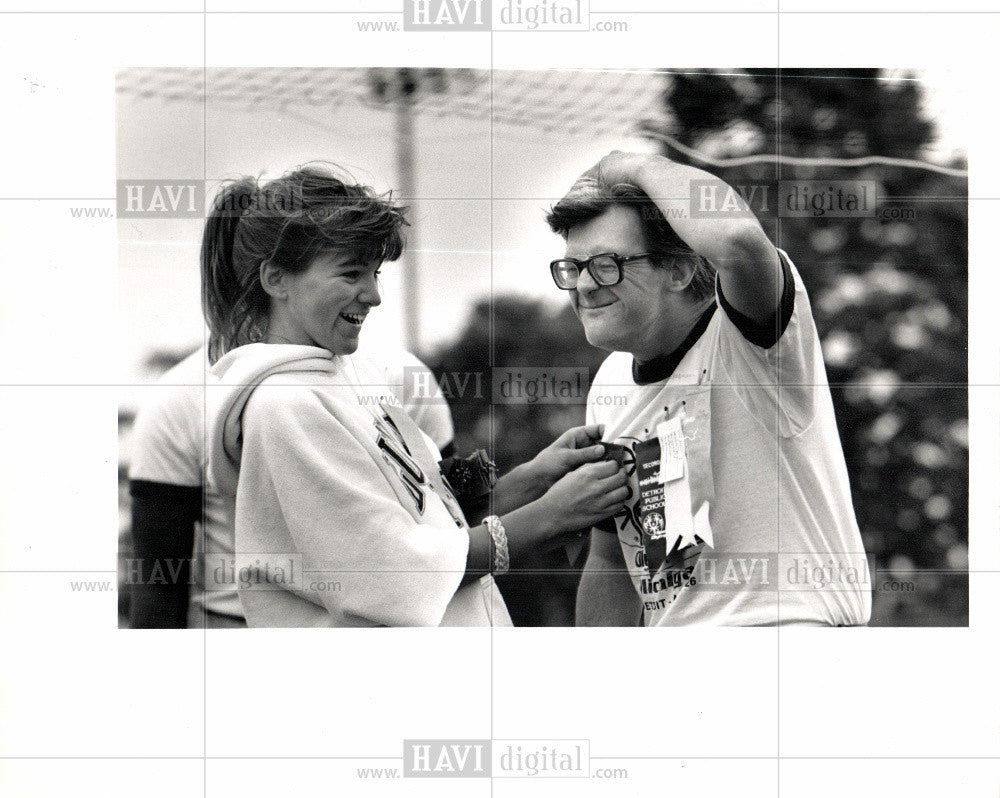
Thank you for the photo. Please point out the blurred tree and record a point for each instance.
(524, 333)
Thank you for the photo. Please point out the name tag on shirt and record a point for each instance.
(673, 457)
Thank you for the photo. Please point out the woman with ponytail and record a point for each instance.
(342, 515)
(182, 535)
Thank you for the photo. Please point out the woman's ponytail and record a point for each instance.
(223, 285)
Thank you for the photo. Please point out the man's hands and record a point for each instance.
(670, 186)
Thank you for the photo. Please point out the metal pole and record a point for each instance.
(405, 91)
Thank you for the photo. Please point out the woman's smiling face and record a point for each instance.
(327, 303)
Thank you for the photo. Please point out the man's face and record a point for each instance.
(630, 316)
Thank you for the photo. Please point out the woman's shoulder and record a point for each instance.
(275, 379)
(248, 368)
(310, 400)
(255, 362)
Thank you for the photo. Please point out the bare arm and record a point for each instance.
(606, 596)
(578, 500)
(530, 480)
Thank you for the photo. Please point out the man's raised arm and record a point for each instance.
(747, 262)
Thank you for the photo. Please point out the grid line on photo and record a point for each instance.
(777, 411)
(853, 383)
(943, 198)
(203, 527)
(532, 570)
(626, 12)
(492, 362)
(609, 757)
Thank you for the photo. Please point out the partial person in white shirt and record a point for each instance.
(182, 568)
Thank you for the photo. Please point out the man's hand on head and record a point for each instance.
(735, 243)
(621, 167)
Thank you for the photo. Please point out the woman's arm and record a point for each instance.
(312, 484)
(530, 481)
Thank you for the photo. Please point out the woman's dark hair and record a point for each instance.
(589, 198)
(287, 221)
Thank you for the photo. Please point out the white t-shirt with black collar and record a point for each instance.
(775, 540)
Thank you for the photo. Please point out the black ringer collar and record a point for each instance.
(660, 368)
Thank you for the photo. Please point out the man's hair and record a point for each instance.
(589, 198)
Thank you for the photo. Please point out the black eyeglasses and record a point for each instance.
(606, 269)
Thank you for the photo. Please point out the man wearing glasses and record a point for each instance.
(715, 393)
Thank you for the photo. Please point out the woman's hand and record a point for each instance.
(530, 480)
(579, 500)
(570, 450)
(586, 496)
